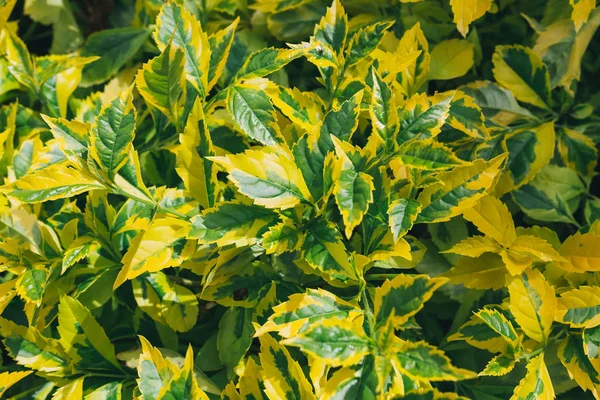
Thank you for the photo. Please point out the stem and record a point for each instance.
(151, 203)
(380, 277)
(368, 312)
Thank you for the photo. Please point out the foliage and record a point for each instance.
(288, 199)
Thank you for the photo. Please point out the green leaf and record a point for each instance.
(220, 44)
(304, 309)
(32, 284)
(365, 41)
(403, 297)
(461, 188)
(84, 339)
(112, 135)
(235, 335)
(115, 47)
(162, 84)
(422, 118)
(232, 223)
(572, 356)
(523, 72)
(176, 25)
(578, 152)
(55, 182)
(269, 177)
(422, 361)
(337, 341)
(383, 112)
(497, 103)
(427, 155)
(402, 215)
(282, 376)
(251, 108)
(167, 303)
(342, 121)
(265, 62)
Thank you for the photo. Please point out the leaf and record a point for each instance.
(55, 182)
(419, 360)
(352, 382)
(365, 41)
(533, 304)
(537, 383)
(353, 191)
(83, 338)
(461, 189)
(29, 348)
(220, 44)
(235, 335)
(281, 238)
(266, 61)
(480, 273)
(581, 252)
(478, 333)
(383, 113)
(342, 121)
(402, 215)
(112, 134)
(421, 117)
(114, 47)
(162, 84)
(199, 174)
(502, 326)
(543, 205)
(580, 308)
(10, 378)
(498, 104)
(522, 71)
(157, 247)
(20, 63)
(427, 155)
(337, 341)
(31, 285)
(571, 355)
(251, 108)
(303, 309)
(183, 384)
(5, 9)
(302, 108)
(467, 11)
(414, 76)
(475, 246)
(451, 59)
(72, 390)
(578, 152)
(493, 219)
(466, 116)
(529, 150)
(403, 297)
(581, 11)
(176, 25)
(269, 177)
(499, 366)
(324, 251)
(232, 223)
(282, 376)
(167, 303)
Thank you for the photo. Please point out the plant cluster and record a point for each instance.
(287, 199)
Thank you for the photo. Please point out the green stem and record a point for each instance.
(368, 312)
(380, 277)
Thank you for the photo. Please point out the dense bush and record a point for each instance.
(288, 199)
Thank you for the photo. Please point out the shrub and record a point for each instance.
(399, 203)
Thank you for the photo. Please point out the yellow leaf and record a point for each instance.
(198, 174)
(7, 379)
(581, 11)
(71, 391)
(467, 11)
(582, 252)
(269, 176)
(474, 246)
(55, 182)
(580, 308)
(536, 384)
(536, 247)
(533, 304)
(485, 272)
(282, 376)
(451, 59)
(492, 218)
(152, 249)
